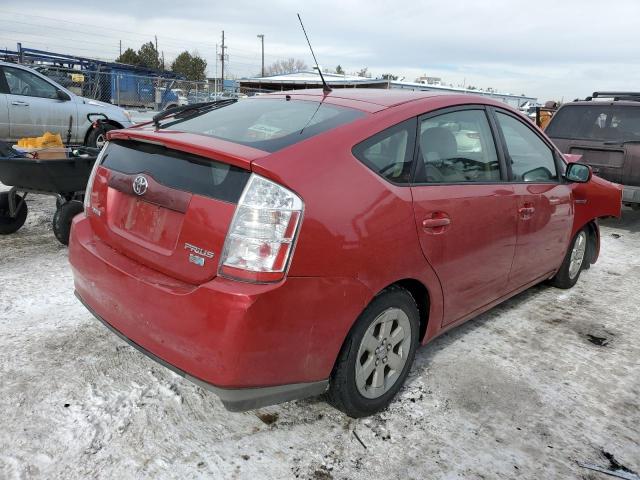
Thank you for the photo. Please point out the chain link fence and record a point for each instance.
(129, 90)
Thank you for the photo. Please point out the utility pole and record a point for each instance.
(222, 61)
(215, 79)
(157, 54)
(261, 37)
(120, 48)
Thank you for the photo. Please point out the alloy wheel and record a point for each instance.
(100, 140)
(383, 353)
(577, 254)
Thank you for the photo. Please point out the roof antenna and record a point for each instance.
(325, 87)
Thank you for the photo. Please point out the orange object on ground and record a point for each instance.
(45, 141)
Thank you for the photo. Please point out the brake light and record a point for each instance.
(89, 189)
(260, 241)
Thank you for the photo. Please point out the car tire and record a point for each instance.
(9, 224)
(98, 135)
(62, 220)
(574, 262)
(385, 335)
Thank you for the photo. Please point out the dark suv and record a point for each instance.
(605, 130)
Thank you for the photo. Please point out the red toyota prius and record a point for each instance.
(293, 244)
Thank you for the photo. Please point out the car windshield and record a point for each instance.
(267, 124)
(597, 122)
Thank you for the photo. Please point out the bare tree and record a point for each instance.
(285, 66)
(364, 73)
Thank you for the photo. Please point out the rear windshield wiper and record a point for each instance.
(193, 110)
(621, 142)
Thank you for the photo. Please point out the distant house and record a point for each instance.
(515, 101)
(311, 79)
(307, 79)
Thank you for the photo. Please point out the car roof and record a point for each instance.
(13, 64)
(628, 103)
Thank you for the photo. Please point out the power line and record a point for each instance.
(180, 42)
(49, 44)
(99, 27)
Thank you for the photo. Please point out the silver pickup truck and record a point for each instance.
(31, 104)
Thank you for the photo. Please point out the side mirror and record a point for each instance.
(578, 173)
(63, 96)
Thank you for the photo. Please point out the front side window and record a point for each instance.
(390, 152)
(530, 158)
(26, 83)
(457, 147)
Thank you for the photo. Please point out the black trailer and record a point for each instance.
(66, 179)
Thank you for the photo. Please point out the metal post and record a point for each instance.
(20, 53)
(261, 37)
(215, 78)
(222, 61)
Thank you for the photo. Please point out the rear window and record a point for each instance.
(177, 170)
(267, 124)
(597, 122)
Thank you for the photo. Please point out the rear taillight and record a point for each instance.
(89, 189)
(260, 241)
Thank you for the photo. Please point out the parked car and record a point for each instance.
(32, 104)
(291, 244)
(606, 134)
(179, 98)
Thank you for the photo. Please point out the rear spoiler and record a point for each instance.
(201, 145)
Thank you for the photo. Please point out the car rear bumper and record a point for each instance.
(238, 399)
(630, 194)
(251, 344)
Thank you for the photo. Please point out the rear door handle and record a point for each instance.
(19, 103)
(526, 211)
(436, 222)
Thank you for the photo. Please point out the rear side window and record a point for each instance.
(597, 122)
(530, 158)
(178, 170)
(268, 124)
(390, 152)
(457, 147)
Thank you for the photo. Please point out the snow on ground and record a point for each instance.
(522, 391)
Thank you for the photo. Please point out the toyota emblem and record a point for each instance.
(140, 185)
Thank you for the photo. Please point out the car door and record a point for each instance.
(34, 105)
(464, 209)
(4, 110)
(545, 209)
(4, 117)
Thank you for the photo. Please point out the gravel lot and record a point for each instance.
(544, 381)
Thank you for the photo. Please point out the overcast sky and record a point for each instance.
(544, 48)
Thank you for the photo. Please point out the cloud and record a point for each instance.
(546, 48)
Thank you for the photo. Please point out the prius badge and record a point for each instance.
(140, 185)
(198, 255)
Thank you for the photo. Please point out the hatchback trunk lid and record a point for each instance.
(165, 208)
(611, 162)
